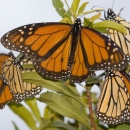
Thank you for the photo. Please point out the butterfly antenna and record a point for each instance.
(112, 4)
(120, 11)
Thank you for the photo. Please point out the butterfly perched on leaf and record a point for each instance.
(113, 106)
(122, 40)
(62, 50)
(12, 87)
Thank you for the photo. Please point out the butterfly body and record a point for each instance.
(62, 50)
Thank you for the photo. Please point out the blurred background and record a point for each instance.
(15, 13)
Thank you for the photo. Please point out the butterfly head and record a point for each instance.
(110, 14)
(78, 21)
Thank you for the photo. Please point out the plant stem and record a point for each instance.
(90, 108)
(66, 4)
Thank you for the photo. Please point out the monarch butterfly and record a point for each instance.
(113, 106)
(123, 40)
(5, 94)
(62, 50)
(12, 88)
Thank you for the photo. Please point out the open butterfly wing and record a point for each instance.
(37, 40)
(54, 63)
(50, 46)
(114, 101)
(100, 52)
(5, 93)
(122, 40)
(3, 58)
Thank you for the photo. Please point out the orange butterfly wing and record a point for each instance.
(101, 52)
(53, 48)
(5, 94)
(79, 72)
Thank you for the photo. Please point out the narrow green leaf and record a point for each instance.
(59, 8)
(91, 11)
(81, 8)
(24, 114)
(45, 122)
(51, 129)
(93, 80)
(66, 20)
(52, 115)
(96, 17)
(46, 112)
(74, 103)
(87, 22)
(33, 77)
(15, 126)
(74, 6)
(111, 25)
(61, 125)
(100, 127)
(102, 30)
(28, 66)
(73, 89)
(123, 127)
(31, 102)
(64, 107)
(82, 127)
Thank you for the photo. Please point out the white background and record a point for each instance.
(14, 13)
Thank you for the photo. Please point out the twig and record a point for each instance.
(90, 108)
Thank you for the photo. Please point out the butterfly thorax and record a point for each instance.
(76, 27)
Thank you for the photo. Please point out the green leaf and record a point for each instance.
(102, 30)
(123, 127)
(52, 115)
(15, 126)
(33, 77)
(111, 25)
(24, 114)
(96, 17)
(81, 8)
(59, 8)
(64, 107)
(61, 125)
(82, 127)
(91, 11)
(28, 66)
(93, 80)
(87, 22)
(66, 20)
(45, 123)
(100, 127)
(31, 102)
(74, 6)
(51, 129)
